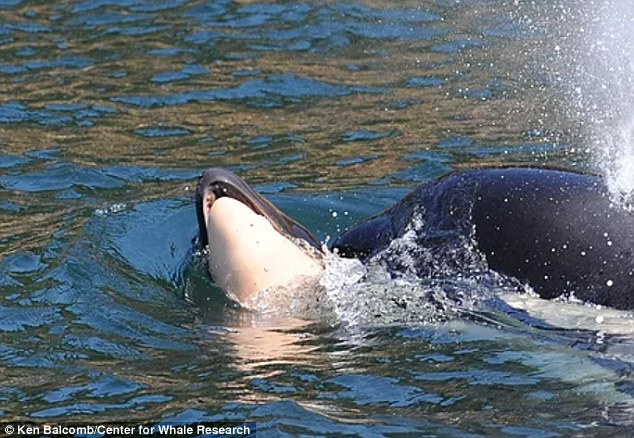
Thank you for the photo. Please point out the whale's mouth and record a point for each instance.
(217, 183)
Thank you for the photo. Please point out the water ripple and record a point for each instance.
(364, 389)
(54, 115)
(162, 132)
(184, 73)
(14, 319)
(272, 91)
(7, 161)
(111, 108)
(105, 387)
(59, 176)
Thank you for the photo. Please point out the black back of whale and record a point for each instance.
(555, 230)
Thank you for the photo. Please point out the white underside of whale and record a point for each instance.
(572, 315)
(247, 255)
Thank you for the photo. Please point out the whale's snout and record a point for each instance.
(216, 183)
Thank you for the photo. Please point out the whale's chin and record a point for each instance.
(248, 255)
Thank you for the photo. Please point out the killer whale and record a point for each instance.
(557, 231)
(554, 230)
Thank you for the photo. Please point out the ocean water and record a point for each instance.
(109, 111)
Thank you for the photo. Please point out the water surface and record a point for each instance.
(110, 109)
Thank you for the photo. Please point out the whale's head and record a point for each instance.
(252, 244)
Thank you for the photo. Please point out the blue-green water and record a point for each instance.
(109, 109)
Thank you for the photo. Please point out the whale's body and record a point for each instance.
(557, 231)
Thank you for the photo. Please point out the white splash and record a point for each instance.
(598, 73)
(114, 208)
